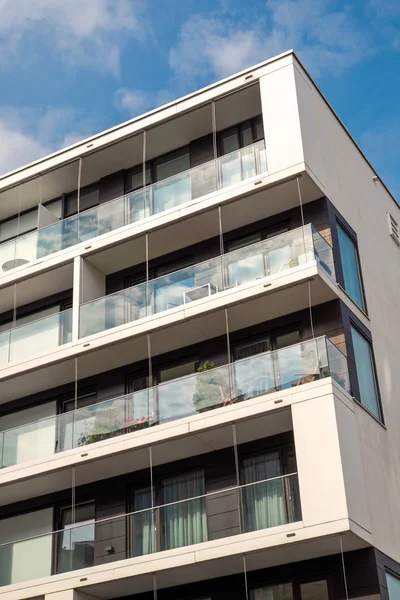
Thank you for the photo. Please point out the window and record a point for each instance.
(393, 584)
(351, 267)
(314, 590)
(366, 375)
(241, 136)
(75, 547)
(273, 501)
(178, 523)
(283, 591)
(19, 225)
(88, 198)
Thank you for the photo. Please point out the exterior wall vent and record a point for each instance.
(394, 231)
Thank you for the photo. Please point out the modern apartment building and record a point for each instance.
(198, 357)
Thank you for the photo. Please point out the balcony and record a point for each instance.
(35, 338)
(165, 195)
(261, 504)
(268, 258)
(204, 391)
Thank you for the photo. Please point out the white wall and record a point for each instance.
(347, 180)
(89, 284)
(281, 118)
(331, 480)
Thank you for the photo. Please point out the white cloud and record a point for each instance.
(87, 32)
(27, 134)
(134, 101)
(325, 38)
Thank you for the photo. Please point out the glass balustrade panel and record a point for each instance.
(193, 394)
(32, 441)
(40, 336)
(253, 377)
(75, 547)
(323, 253)
(58, 236)
(337, 365)
(298, 364)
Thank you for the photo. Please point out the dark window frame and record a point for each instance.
(296, 583)
(368, 338)
(57, 526)
(27, 211)
(238, 128)
(339, 221)
(151, 166)
(67, 197)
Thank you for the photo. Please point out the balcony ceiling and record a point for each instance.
(194, 226)
(174, 443)
(173, 329)
(160, 139)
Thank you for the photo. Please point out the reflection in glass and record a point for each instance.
(76, 540)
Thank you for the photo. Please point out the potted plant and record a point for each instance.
(105, 430)
(213, 388)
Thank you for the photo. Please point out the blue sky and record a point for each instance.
(71, 68)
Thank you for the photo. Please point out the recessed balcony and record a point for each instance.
(261, 261)
(169, 194)
(209, 389)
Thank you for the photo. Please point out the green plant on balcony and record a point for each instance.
(104, 429)
(213, 388)
(339, 379)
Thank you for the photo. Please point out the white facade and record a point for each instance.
(348, 462)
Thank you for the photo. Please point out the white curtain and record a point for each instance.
(264, 503)
(183, 523)
(143, 523)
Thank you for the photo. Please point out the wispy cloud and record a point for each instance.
(134, 102)
(89, 33)
(29, 134)
(327, 39)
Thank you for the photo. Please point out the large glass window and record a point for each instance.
(366, 375)
(75, 548)
(283, 591)
(314, 590)
(88, 198)
(393, 584)
(351, 267)
(180, 522)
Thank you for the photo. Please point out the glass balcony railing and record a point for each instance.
(167, 194)
(220, 386)
(269, 257)
(35, 338)
(258, 505)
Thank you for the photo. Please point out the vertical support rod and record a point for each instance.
(221, 247)
(153, 526)
(215, 148)
(230, 366)
(239, 491)
(154, 586)
(78, 195)
(305, 254)
(73, 512)
(344, 569)
(246, 587)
